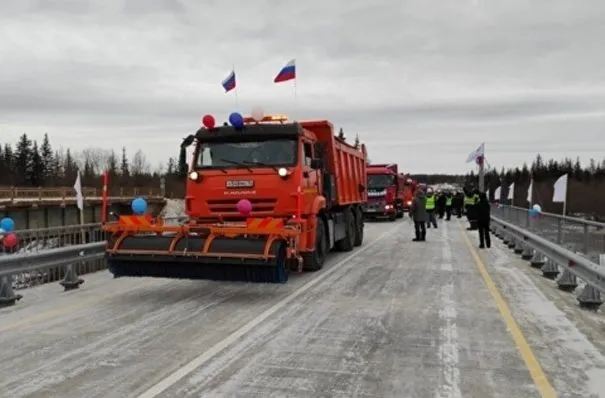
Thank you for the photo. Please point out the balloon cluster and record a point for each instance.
(535, 211)
(139, 206)
(7, 236)
(235, 119)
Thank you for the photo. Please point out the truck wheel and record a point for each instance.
(392, 217)
(314, 261)
(400, 214)
(359, 230)
(348, 242)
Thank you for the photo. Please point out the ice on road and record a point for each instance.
(394, 318)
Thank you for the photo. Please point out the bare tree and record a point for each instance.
(140, 165)
(98, 158)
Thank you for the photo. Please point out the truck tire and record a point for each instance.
(393, 217)
(359, 221)
(348, 242)
(314, 261)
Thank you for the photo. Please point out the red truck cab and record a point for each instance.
(408, 188)
(382, 192)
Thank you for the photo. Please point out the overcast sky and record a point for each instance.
(422, 82)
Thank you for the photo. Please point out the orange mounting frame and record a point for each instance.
(273, 228)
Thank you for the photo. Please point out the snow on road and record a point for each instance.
(395, 318)
(564, 335)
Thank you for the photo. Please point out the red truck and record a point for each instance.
(383, 188)
(407, 190)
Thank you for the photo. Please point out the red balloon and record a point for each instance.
(10, 241)
(208, 121)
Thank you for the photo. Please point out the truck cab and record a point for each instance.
(382, 192)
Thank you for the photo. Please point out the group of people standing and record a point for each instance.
(426, 206)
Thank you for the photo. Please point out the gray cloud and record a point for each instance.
(422, 84)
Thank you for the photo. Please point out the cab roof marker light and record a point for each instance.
(268, 118)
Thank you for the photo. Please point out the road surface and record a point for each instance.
(394, 318)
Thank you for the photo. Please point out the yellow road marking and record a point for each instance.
(532, 364)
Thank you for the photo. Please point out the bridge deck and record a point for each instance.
(393, 319)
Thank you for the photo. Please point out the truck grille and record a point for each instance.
(227, 207)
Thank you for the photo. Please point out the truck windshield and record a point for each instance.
(248, 154)
(380, 181)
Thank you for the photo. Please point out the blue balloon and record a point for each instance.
(533, 212)
(139, 206)
(7, 224)
(236, 120)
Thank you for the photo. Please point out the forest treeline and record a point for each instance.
(29, 163)
(586, 184)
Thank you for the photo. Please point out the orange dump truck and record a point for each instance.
(262, 199)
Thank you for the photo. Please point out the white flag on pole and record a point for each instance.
(560, 191)
(476, 153)
(530, 191)
(78, 188)
(511, 191)
(497, 193)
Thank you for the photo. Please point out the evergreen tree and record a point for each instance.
(124, 167)
(36, 176)
(112, 165)
(69, 169)
(23, 161)
(46, 154)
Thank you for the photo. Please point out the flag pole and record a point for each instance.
(566, 189)
(80, 204)
(235, 91)
(482, 171)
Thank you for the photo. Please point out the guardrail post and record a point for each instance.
(568, 281)
(511, 243)
(505, 237)
(7, 294)
(590, 298)
(550, 269)
(71, 280)
(527, 253)
(538, 260)
(518, 249)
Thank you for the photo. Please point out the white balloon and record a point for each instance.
(537, 208)
(257, 114)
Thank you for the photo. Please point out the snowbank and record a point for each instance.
(174, 208)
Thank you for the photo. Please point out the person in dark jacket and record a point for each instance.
(420, 215)
(483, 210)
(457, 203)
(441, 204)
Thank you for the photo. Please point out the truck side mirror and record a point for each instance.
(316, 164)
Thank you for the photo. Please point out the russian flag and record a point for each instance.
(229, 82)
(288, 72)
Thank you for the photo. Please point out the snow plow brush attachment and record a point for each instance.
(247, 251)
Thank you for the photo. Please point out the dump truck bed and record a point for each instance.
(344, 161)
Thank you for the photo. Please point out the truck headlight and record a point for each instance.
(282, 172)
(194, 175)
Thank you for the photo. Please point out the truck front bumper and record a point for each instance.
(378, 210)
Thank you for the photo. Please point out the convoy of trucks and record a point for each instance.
(264, 198)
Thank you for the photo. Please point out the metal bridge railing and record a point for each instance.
(54, 254)
(563, 248)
